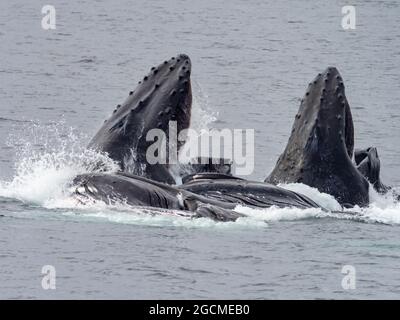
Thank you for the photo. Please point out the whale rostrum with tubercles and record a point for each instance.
(320, 148)
(162, 96)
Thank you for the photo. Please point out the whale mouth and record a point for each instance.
(323, 125)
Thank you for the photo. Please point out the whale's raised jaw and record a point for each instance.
(369, 165)
(320, 148)
(162, 96)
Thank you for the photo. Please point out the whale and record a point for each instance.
(162, 96)
(319, 153)
(368, 163)
(206, 195)
(320, 148)
(138, 191)
(238, 191)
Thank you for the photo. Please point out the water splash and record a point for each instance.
(203, 115)
(47, 158)
(201, 121)
(323, 199)
(382, 208)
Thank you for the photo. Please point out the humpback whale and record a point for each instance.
(162, 96)
(208, 195)
(369, 165)
(320, 149)
(139, 191)
(253, 194)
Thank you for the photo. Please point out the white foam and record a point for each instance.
(47, 159)
(323, 199)
(274, 214)
(124, 214)
(382, 208)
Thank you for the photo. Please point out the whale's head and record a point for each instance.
(163, 95)
(331, 121)
(321, 146)
(323, 125)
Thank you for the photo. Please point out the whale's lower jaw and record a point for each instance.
(138, 191)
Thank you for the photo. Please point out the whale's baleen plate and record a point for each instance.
(320, 148)
(164, 95)
(237, 191)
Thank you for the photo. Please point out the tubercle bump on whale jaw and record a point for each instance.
(322, 143)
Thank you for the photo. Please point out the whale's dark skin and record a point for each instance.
(369, 165)
(320, 149)
(163, 95)
(139, 191)
(253, 194)
(211, 195)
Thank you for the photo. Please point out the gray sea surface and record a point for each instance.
(252, 61)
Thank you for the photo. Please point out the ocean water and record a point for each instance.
(252, 61)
